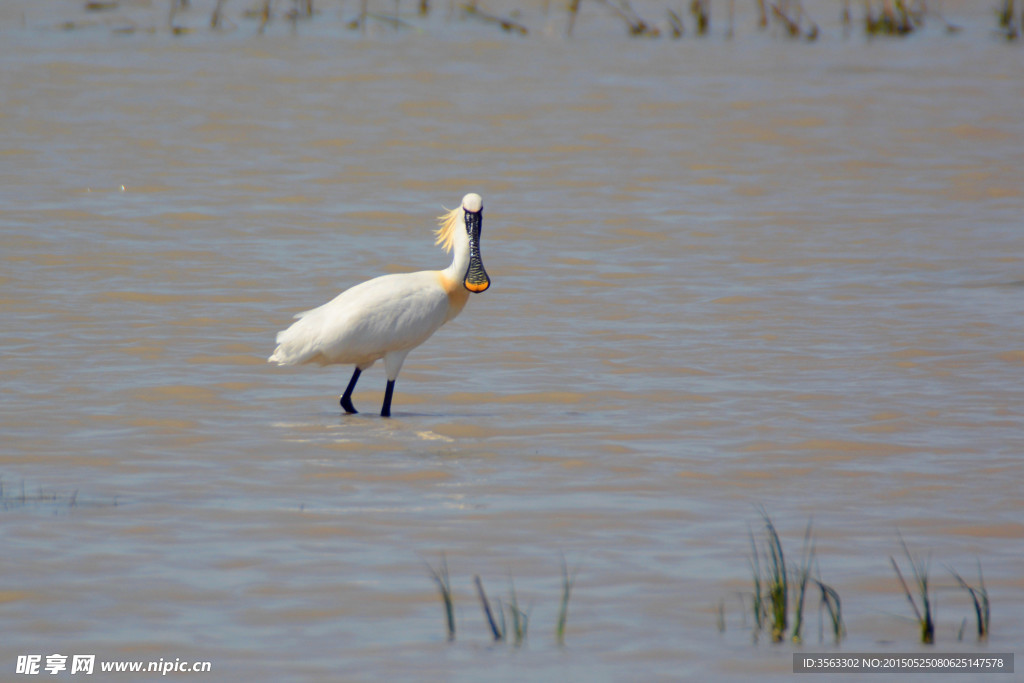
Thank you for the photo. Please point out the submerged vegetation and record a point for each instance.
(506, 620)
(979, 596)
(673, 18)
(780, 592)
(520, 619)
(563, 610)
(1006, 18)
(19, 497)
(774, 586)
(444, 586)
(923, 613)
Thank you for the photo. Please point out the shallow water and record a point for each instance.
(725, 275)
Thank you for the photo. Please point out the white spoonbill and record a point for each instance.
(389, 316)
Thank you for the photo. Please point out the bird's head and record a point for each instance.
(476, 279)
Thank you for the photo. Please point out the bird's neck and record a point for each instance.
(453, 276)
(460, 259)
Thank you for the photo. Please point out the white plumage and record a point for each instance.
(388, 316)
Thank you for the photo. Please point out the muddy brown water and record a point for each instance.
(725, 275)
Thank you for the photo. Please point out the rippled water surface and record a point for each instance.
(725, 275)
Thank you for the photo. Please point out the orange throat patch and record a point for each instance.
(457, 294)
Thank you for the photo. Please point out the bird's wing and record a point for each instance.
(362, 324)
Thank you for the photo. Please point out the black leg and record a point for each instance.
(385, 410)
(346, 398)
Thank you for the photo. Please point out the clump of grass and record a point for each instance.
(217, 17)
(264, 15)
(774, 587)
(520, 618)
(499, 627)
(762, 14)
(758, 598)
(830, 602)
(471, 9)
(793, 16)
(12, 498)
(1005, 14)
(1008, 21)
(636, 26)
(445, 587)
(701, 12)
(776, 582)
(771, 588)
(894, 18)
(979, 596)
(563, 610)
(574, 9)
(498, 633)
(101, 5)
(675, 24)
(803, 574)
(920, 573)
(515, 627)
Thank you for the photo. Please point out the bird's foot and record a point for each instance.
(346, 404)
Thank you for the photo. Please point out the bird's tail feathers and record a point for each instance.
(295, 345)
